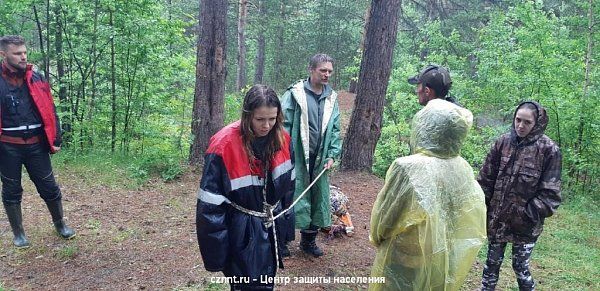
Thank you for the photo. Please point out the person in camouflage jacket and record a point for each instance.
(521, 181)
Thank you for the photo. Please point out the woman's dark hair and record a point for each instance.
(259, 96)
(529, 106)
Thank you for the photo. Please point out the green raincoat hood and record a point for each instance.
(439, 129)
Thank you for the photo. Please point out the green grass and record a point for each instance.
(175, 203)
(94, 225)
(118, 171)
(125, 234)
(98, 168)
(570, 248)
(67, 252)
(567, 255)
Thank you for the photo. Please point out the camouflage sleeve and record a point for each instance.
(489, 171)
(548, 196)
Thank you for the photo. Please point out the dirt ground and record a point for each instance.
(145, 239)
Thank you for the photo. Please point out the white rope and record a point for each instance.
(267, 215)
(301, 195)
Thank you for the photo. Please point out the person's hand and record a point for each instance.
(55, 149)
(329, 164)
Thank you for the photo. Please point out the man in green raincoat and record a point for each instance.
(312, 118)
(428, 221)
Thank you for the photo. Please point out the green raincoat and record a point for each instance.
(428, 222)
(314, 207)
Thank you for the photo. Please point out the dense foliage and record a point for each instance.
(123, 71)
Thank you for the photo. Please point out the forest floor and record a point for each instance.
(144, 238)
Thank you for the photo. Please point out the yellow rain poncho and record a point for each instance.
(428, 222)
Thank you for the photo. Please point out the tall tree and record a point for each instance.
(278, 72)
(241, 64)
(45, 62)
(113, 88)
(259, 69)
(92, 101)
(207, 115)
(586, 85)
(366, 121)
(60, 74)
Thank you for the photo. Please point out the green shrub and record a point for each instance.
(233, 106)
(159, 163)
(478, 144)
(392, 144)
(119, 170)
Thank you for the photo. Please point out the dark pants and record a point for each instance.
(36, 159)
(521, 253)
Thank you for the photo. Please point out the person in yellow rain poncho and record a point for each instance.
(428, 221)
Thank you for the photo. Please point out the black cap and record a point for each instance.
(435, 77)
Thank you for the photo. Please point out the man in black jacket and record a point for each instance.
(29, 131)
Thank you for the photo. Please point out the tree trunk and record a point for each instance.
(131, 72)
(207, 114)
(92, 101)
(586, 85)
(352, 86)
(278, 72)
(60, 76)
(113, 90)
(241, 69)
(366, 121)
(259, 71)
(45, 63)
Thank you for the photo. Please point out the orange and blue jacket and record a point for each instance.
(231, 241)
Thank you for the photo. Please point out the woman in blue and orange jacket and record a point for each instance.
(248, 172)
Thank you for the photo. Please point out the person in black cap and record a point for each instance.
(433, 82)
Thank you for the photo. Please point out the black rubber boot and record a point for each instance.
(284, 251)
(15, 218)
(56, 211)
(308, 243)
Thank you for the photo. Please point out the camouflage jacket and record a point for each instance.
(521, 182)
